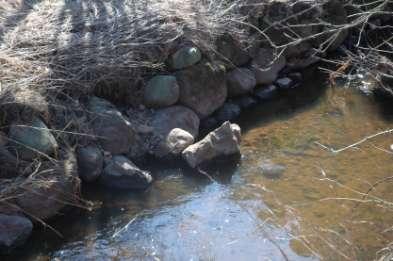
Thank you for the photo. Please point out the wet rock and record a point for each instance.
(203, 87)
(32, 139)
(240, 81)
(121, 173)
(245, 102)
(271, 170)
(176, 141)
(161, 91)
(185, 57)
(297, 77)
(285, 83)
(167, 119)
(231, 51)
(227, 112)
(266, 66)
(266, 92)
(14, 231)
(223, 141)
(90, 163)
(113, 130)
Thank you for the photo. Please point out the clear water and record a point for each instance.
(313, 212)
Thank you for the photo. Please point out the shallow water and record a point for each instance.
(312, 212)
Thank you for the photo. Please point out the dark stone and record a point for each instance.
(121, 173)
(203, 87)
(245, 102)
(266, 93)
(113, 130)
(228, 112)
(209, 123)
(14, 230)
(90, 163)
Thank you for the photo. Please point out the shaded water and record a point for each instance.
(310, 213)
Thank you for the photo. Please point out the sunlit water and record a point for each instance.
(314, 211)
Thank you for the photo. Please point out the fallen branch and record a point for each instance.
(356, 143)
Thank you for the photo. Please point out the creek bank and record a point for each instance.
(194, 92)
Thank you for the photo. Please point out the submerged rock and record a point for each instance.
(176, 141)
(271, 170)
(285, 83)
(185, 57)
(228, 112)
(245, 102)
(161, 91)
(266, 66)
(90, 163)
(33, 139)
(203, 88)
(266, 93)
(223, 141)
(113, 130)
(240, 81)
(121, 173)
(14, 230)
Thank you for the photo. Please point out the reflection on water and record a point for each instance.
(312, 212)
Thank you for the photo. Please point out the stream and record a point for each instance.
(315, 210)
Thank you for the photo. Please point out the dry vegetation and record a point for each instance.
(52, 53)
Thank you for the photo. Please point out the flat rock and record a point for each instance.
(223, 141)
(121, 173)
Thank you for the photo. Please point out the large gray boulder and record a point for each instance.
(231, 51)
(203, 87)
(223, 141)
(167, 119)
(240, 81)
(31, 140)
(161, 91)
(113, 130)
(14, 230)
(266, 65)
(176, 141)
(121, 173)
(185, 57)
(90, 163)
